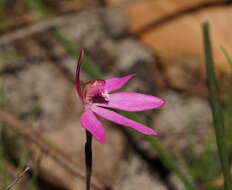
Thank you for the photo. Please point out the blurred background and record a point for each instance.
(41, 140)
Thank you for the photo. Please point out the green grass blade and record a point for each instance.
(169, 162)
(228, 103)
(228, 57)
(163, 154)
(91, 70)
(216, 109)
(39, 8)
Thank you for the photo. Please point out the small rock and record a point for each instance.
(136, 177)
(184, 121)
(115, 22)
(129, 53)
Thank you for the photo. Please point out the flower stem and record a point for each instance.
(216, 109)
(88, 159)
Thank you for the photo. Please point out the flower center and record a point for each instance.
(93, 92)
(99, 99)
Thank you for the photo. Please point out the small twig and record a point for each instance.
(88, 159)
(36, 28)
(58, 156)
(18, 178)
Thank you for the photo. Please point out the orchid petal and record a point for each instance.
(119, 119)
(93, 125)
(131, 101)
(78, 84)
(117, 82)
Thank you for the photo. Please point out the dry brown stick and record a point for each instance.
(18, 178)
(12, 171)
(36, 28)
(58, 156)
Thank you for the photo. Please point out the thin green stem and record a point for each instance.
(88, 159)
(216, 109)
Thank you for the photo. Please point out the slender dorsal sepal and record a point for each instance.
(78, 68)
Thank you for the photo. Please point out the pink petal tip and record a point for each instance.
(93, 125)
(117, 82)
(121, 120)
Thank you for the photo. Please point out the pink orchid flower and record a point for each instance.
(96, 97)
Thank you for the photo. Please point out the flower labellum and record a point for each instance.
(97, 97)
